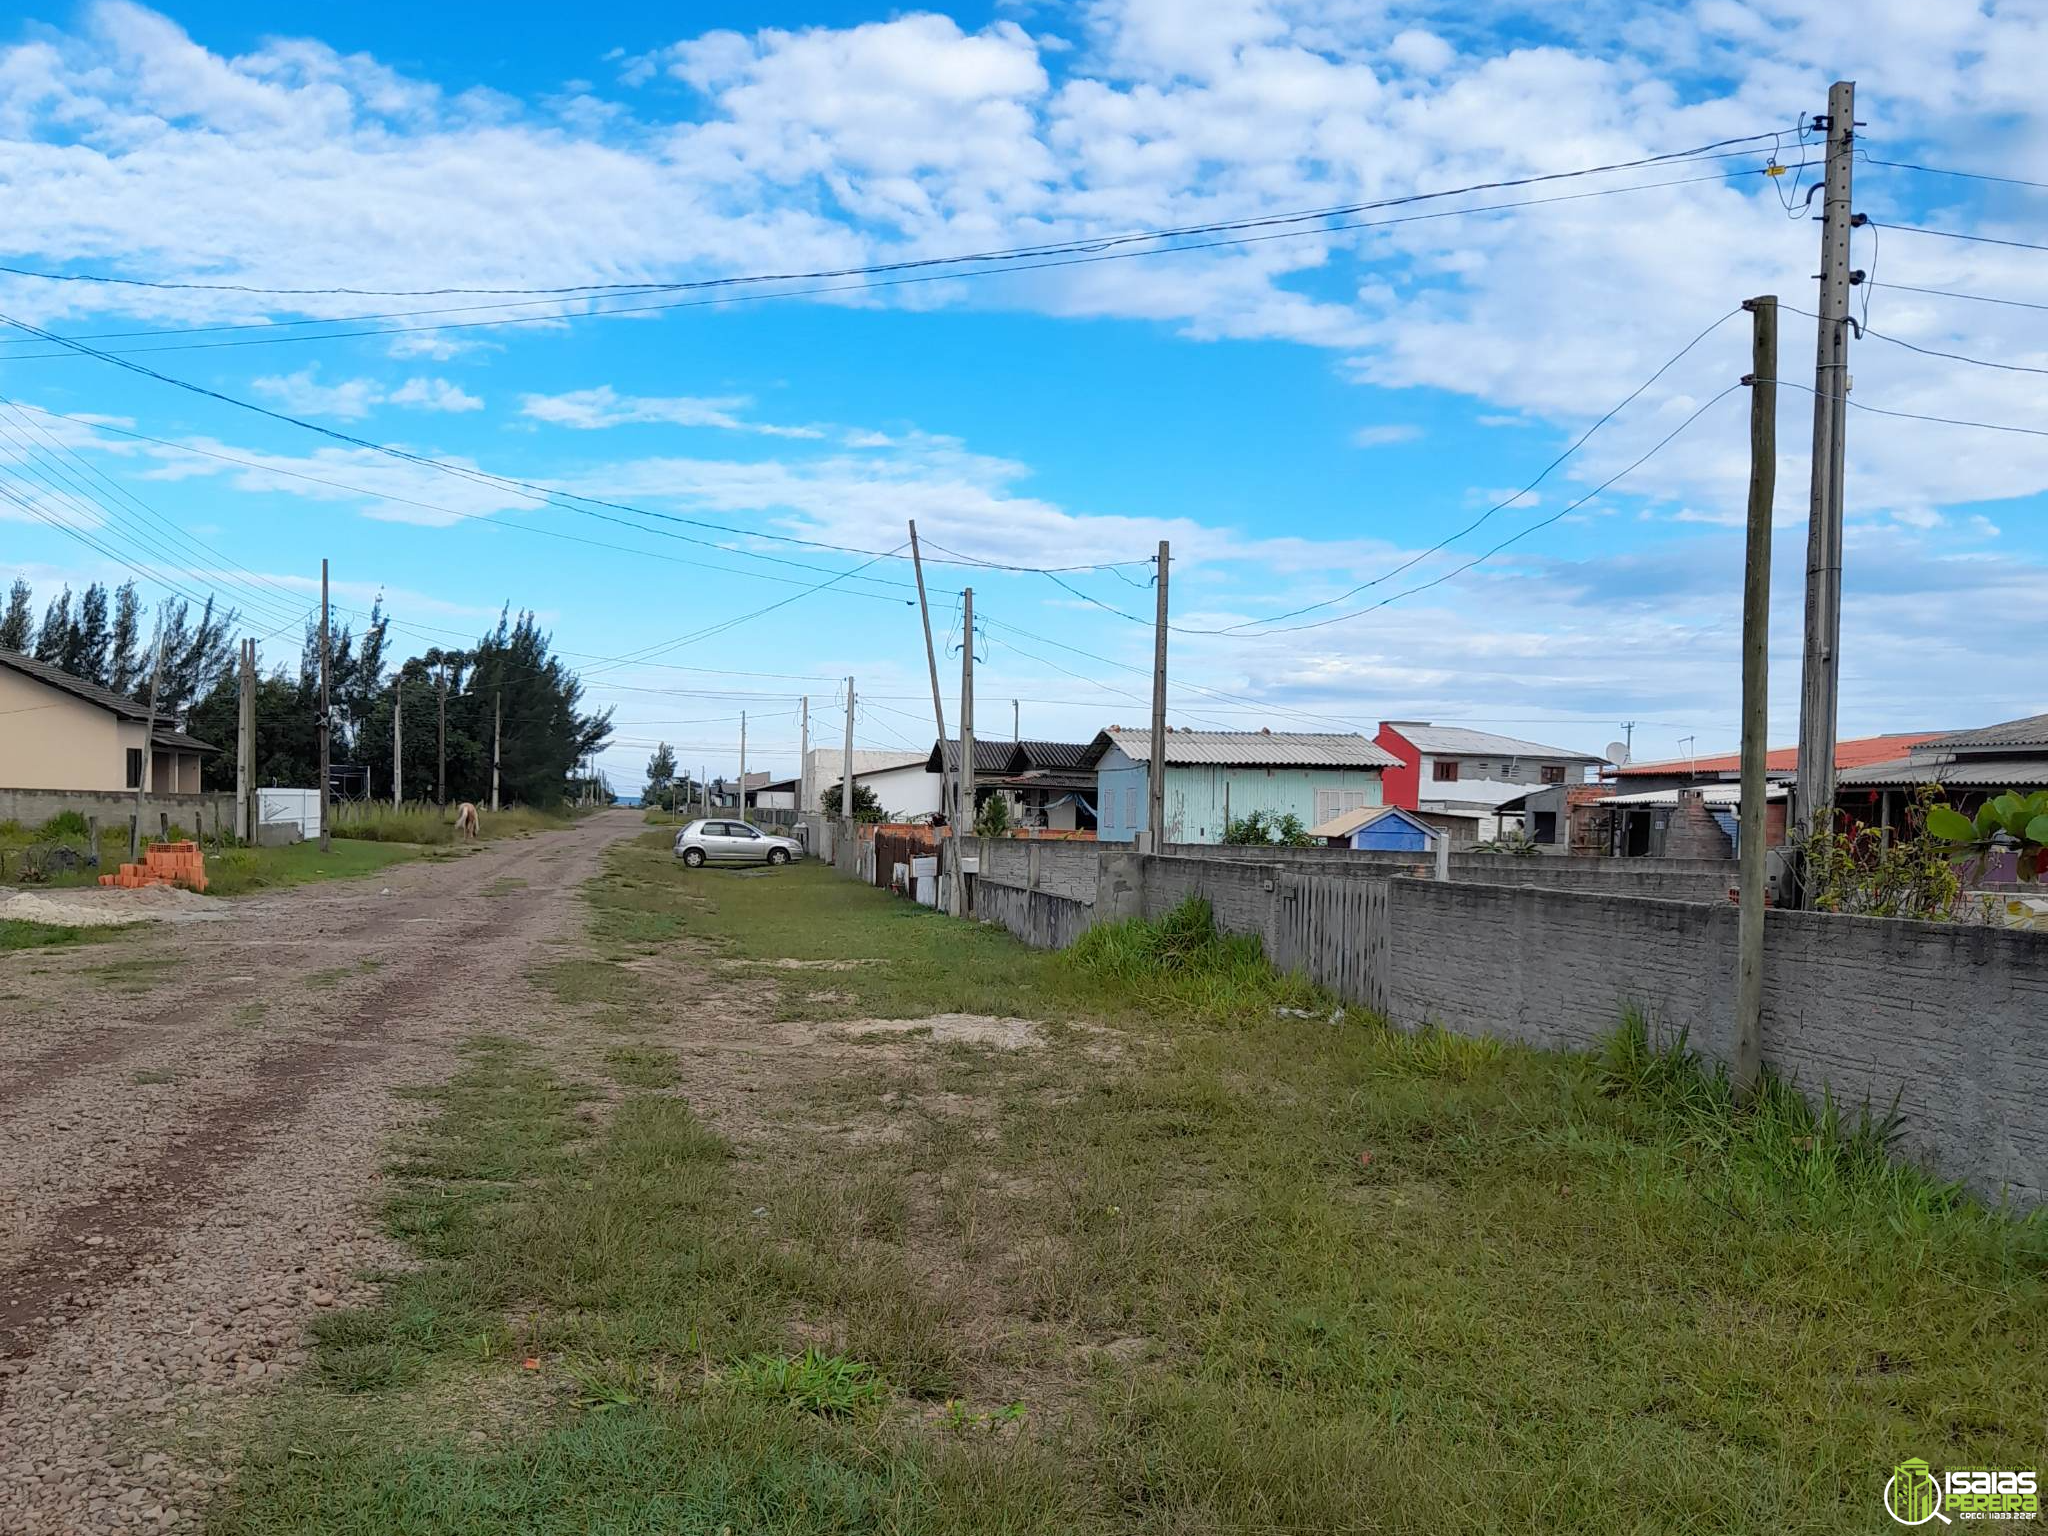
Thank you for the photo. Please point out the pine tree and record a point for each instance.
(18, 627)
(661, 776)
(124, 657)
(55, 633)
(85, 653)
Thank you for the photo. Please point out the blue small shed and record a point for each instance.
(1383, 827)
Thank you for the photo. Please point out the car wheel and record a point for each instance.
(778, 855)
(694, 857)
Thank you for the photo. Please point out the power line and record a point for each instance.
(1498, 506)
(1943, 421)
(927, 277)
(1950, 293)
(1516, 538)
(1087, 244)
(1954, 357)
(1956, 234)
(1938, 170)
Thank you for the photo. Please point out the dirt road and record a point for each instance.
(191, 1123)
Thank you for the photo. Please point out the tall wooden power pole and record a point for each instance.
(1821, 669)
(931, 661)
(397, 742)
(142, 781)
(1756, 664)
(326, 835)
(967, 730)
(1155, 789)
(497, 739)
(846, 768)
(441, 752)
(245, 746)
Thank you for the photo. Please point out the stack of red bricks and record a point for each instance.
(163, 864)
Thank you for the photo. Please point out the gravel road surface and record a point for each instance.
(192, 1120)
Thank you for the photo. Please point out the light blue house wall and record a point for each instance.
(1201, 797)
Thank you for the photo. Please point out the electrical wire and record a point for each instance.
(1516, 538)
(919, 278)
(1941, 421)
(1954, 357)
(1937, 170)
(1957, 234)
(1090, 244)
(1950, 293)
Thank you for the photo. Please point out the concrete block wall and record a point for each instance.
(1675, 879)
(33, 807)
(1952, 1017)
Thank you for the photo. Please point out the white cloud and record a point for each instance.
(435, 395)
(1385, 435)
(303, 394)
(589, 409)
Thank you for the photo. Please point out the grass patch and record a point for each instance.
(1252, 1272)
(242, 871)
(150, 1077)
(635, 1067)
(378, 821)
(18, 934)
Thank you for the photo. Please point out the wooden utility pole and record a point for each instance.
(846, 766)
(326, 835)
(1155, 808)
(142, 780)
(497, 739)
(397, 742)
(931, 659)
(245, 745)
(743, 765)
(1756, 635)
(441, 783)
(1820, 671)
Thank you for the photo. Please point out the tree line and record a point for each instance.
(107, 638)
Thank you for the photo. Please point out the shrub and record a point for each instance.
(1181, 965)
(65, 824)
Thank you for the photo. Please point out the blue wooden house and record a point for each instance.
(1215, 777)
(1385, 827)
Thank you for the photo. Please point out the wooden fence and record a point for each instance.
(1333, 929)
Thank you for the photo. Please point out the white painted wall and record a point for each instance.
(905, 791)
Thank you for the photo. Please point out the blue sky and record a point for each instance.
(1299, 416)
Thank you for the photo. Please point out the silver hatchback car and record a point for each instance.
(733, 842)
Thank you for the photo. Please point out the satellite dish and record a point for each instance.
(1617, 754)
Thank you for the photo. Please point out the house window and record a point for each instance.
(1131, 807)
(1332, 803)
(1444, 772)
(1553, 773)
(135, 767)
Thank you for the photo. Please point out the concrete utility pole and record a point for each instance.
(803, 762)
(1756, 635)
(743, 765)
(397, 742)
(967, 710)
(1820, 672)
(846, 765)
(497, 739)
(326, 834)
(245, 746)
(1155, 808)
(441, 784)
(1016, 721)
(931, 659)
(142, 780)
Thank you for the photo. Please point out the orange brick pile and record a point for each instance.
(163, 864)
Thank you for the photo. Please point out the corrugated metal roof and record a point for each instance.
(1855, 752)
(1053, 754)
(1455, 740)
(166, 737)
(1973, 772)
(2030, 731)
(990, 757)
(1250, 749)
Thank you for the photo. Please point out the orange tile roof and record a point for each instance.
(1855, 752)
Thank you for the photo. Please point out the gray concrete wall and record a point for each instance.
(1675, 879)
(33, 807)
(1952, 1017)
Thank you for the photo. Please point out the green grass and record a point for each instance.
(1231, 1271)
(243, 871)
(18, 934)
(378, 821)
